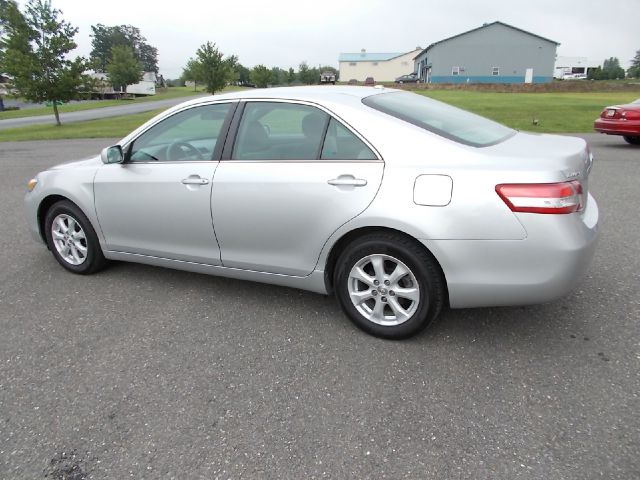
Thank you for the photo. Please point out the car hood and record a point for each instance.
(94, 161)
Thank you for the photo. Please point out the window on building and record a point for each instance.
(495, 71)
(352, 64)
(455, 71)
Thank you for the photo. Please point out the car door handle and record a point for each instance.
(347, 180)
(195, 180)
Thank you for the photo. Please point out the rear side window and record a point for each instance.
(447, 121)
(280, 131)
(341, 144)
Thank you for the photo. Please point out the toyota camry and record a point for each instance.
(396, 203)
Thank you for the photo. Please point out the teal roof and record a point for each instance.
(368, 57)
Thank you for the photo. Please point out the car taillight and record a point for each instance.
(630, 115)
(550, 198)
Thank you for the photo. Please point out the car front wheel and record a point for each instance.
(389, 286)
(72, 239)
(632, 140)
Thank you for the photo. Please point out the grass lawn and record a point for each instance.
(163, 94)
(116, 127)
(555, 112)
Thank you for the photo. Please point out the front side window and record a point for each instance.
(445, 120)
(190, 135)
(280, 131)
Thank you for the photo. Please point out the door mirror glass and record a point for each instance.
(112, 155)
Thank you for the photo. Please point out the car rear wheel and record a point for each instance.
(389, 286)
(632, 140)
(72, 239)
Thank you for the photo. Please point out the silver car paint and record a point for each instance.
(489, 255)
(144, 208)
(271, 219)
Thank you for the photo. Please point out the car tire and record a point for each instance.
(632, 140)
(72, 239)
(389, 286)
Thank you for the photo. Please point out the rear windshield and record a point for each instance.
(445, 120)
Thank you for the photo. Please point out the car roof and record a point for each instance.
(315, 93)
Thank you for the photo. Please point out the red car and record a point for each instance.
(621, 120)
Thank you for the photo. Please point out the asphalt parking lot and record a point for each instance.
(141, 372)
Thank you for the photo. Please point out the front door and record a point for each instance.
(157, 203)
(294, 176)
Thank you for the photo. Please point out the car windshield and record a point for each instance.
(445, 120)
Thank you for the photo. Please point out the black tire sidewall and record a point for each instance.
(429, 306)
(95, 258)
(631, 140)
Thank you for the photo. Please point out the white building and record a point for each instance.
(383, 67)
(573, 67)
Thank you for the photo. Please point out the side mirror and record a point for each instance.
(112, 155)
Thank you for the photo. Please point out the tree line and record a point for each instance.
(214, 71)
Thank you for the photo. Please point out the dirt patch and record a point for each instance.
(67, 466)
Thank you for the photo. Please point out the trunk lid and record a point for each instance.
(569, 157)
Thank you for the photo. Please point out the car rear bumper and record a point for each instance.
(545, 266)
(617, 127)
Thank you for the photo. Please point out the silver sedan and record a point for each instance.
(398, 204)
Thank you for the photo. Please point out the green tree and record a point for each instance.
(37, 43)
(192, 73)
(308, 76)
(124, 68)
(214, 70)
(104, 38)
(634, 70)
(243, 74)
(261, 76)
(278, 76)
(611, 69)
(9, 15)
(303, 72)
(291, 76)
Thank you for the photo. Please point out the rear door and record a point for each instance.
(291, 177)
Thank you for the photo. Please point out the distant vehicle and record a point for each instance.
(395, 202)
(411, 78)
(353, 81)
(621, 120)
(328, 77)
(369, 81)
(104, 89)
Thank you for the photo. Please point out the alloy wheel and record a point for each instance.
(383, 290)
